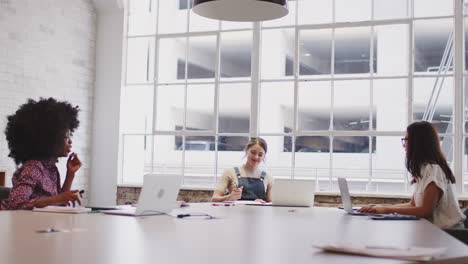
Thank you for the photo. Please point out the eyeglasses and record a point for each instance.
(403, 141)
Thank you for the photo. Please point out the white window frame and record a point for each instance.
(459, 74)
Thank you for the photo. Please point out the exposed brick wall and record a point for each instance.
(131, 194)
(47, 49)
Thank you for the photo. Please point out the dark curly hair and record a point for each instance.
(37, 130)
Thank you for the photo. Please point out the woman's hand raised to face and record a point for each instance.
(73, 163)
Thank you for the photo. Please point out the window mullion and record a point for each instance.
(458, 95)
(216, 99)
(255, 88)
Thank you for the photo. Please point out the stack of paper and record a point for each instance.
(63, 209)
(411, 253)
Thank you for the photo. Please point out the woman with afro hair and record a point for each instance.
(38, 134)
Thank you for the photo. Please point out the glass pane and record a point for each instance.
(171, 65)
(227, 25)
(430, 8)
(315, 144)
(352, 10)
(288, 20)
(314, 106)
(234, 108)
(199, 23)
(230, 159)
(277, 60)
(276, 107)
(352, 50)
(431, 39)
(167, 158)
(391, 50)
(136, 111)
(315, 50)
(390, 105)
(388, 165)
(312, 160)
(433, 101)
(446, 145)
(465, 112)
(136, 158)
(232, 143)
(140, 60)
(236, 49)
(199, 160)
(395, 9)
(351, 161)
(201, 58)
(351, 105)
(170, 107)
(200, 107)
(172, 16)
(142, 17)
(466, 41)
(278, 160)
(465, 166)
(315, 11)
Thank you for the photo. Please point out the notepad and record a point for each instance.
(63, 209)
(410, 253)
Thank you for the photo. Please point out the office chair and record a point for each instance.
(460, 233)
(4, 192)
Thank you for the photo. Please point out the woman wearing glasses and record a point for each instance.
(433, 180)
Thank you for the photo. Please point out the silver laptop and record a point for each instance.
(346, 198)
(158, 196)
(287, 192)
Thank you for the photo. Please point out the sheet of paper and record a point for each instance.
(411, 253)
(63, 209)
(251, 203)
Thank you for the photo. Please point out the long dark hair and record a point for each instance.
(424, 147)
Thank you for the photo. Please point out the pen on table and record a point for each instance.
(48, 230)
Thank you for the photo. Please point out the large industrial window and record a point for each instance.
(331, 87)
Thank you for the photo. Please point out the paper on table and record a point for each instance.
(251, 202)
(411, 253)
(63, 209)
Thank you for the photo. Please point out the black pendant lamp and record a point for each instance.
(241, 10)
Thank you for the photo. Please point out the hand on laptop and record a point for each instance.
(367, 209)
(375, 208)
(236, 194)
(260, 201)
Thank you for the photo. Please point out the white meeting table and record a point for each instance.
(244, 234)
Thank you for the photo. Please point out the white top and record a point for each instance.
(447, 212)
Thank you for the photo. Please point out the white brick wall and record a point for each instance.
(47, 49)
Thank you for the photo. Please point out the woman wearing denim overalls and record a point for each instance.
(247, 182)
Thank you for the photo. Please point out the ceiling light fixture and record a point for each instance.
(241, 10)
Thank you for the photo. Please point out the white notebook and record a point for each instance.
(63, 209)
